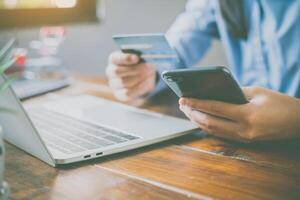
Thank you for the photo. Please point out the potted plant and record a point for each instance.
(4, 189)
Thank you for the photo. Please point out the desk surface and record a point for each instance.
(190, 167)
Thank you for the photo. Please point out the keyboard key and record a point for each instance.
(66, 151)
(75, 140)
(61, 143)
(114, 139)
(130, 137)
(97, 140)
(123, 135)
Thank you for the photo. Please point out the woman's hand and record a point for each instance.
(128, 78)
(269, 115)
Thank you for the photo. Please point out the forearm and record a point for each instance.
(192, 32)
(294, 125)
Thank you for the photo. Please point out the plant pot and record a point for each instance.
(4, 189)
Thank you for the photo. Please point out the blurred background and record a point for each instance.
(87, 41)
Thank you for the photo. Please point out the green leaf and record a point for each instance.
(6, 84)
(6, 65)
(7, 47)
(7, 110)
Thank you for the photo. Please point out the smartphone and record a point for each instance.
(211, 83)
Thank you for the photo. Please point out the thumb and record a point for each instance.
(250, 92)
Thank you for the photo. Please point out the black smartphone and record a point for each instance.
(210, 83)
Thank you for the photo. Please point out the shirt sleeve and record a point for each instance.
(191, 35)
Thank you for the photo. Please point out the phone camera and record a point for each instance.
(175, 79)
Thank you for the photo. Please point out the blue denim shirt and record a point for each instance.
(270, 57)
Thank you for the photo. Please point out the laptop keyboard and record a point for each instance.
(70, 135)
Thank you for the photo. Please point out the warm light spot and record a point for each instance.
(10, 3)
(65, 3)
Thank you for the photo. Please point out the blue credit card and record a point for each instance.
(152, 48)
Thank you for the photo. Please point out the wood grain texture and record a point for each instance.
(195, 166)
(29, 178)
(209, 174)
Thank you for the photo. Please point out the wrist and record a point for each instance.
(296, 116)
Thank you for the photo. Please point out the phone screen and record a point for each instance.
(216, 85)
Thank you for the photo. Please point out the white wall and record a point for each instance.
(88, 45)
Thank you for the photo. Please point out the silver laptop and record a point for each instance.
(79, 128)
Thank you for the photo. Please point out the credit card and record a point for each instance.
(152, 48)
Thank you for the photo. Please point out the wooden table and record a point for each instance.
(194, 166)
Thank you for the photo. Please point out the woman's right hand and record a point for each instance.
(128, 78)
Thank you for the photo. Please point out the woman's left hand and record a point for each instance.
(269, 115)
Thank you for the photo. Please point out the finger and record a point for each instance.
(141, 88)
(213, 125)
(137, 90)
(119, 58)
(114, 71)
(124, 82)
(143, 72)
(210, 122)
(217, 108)
(250, 92)
(123, 71)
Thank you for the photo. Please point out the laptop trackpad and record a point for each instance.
(108, 113)
(118, 116)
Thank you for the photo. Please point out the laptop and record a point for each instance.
(27, 88)
(72, 129)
